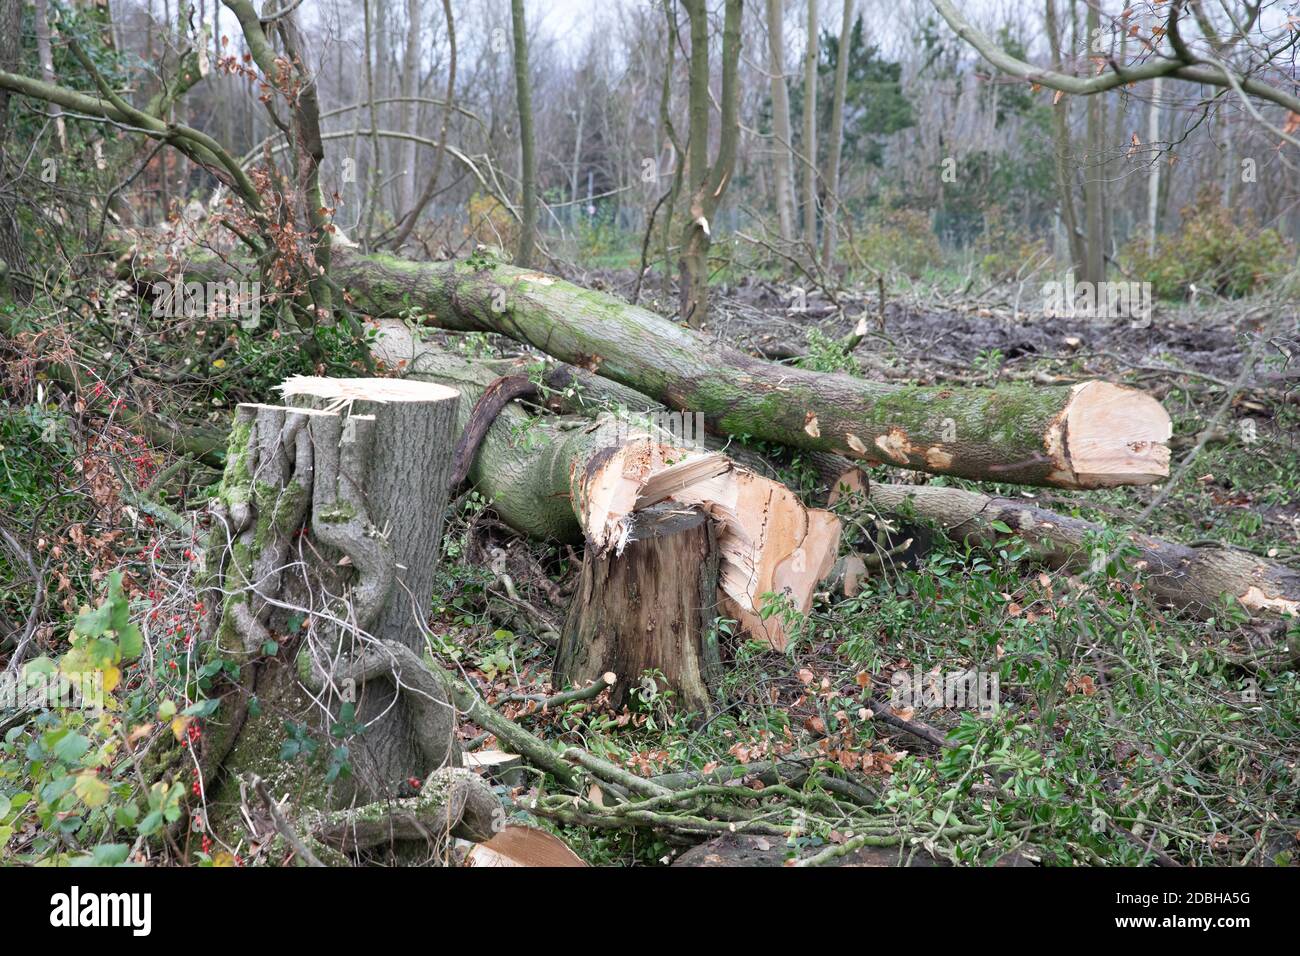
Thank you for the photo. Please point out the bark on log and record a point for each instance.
(574, 479)
(650, 608)
(1093, 434)
(1189, 579)
(326, 535)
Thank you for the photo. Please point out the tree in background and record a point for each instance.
(782, 146)
(528, 157)
(809, 144)
(836, 140)
(707, 182)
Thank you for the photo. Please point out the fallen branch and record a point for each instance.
(1190, 579)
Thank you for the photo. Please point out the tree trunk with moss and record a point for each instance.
(1089, 435)
(326, 534)
(1093, 434)
(1195, 580)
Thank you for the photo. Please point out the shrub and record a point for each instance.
(1218, 248)
(490, 223)
(901, 239)
(1003, 249)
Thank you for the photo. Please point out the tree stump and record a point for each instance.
(649, 608)
(326, 537)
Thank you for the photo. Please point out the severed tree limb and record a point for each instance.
(451, 802)
(284, 826)
(494, 398)
(562, 479)
(1190, 579)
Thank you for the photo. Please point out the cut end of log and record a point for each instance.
(1110, 435)
(1256, 599)
(367, 389)
(523, 846)
(769, 542)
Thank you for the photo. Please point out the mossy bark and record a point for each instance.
(326, 529)
(1012, 433)
(1194, 580)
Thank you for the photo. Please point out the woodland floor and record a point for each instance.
(1126, 734)
(1108, 704)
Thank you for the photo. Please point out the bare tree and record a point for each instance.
(707, 182)
(1153, 180)
(12, 259)
(1063, 150)
(810, 133)
(431, 184)
(410, 78)
(528, 157)
(836, 138)
(1094, 262)
(782, 148)
(46, 56)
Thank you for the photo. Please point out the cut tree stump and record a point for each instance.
(574, 479)
(326, 538)
(650, 608)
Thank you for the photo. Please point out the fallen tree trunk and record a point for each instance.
(1189, 579)
(572, 479)
(1093, 434)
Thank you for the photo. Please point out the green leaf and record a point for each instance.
(119, 607)
(110, 854)
(131, 641)
(40, 665)
(1001, 526)
(71, 747)
(126, 815)
(92, 791)
(94, 623)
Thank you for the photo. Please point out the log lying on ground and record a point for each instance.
(573, 479)
(649, 608)
(1093, 434)
(1189, 579)
(326, 534)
